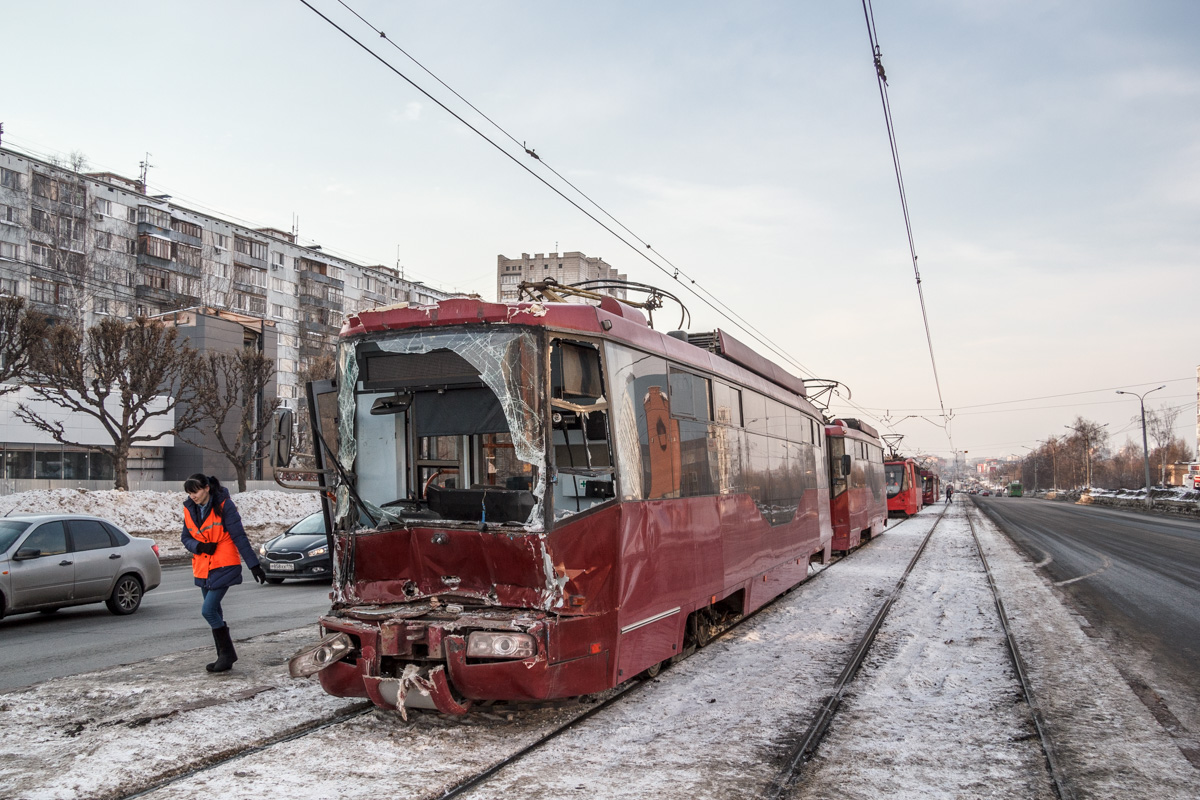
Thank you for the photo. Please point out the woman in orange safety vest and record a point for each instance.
(213, 534)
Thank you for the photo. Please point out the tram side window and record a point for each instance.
(580, 429)
(689, 395)
(727, 404)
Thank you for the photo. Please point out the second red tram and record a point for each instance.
(858, 499)
(543, 500)
(930, 486)
(905, 494)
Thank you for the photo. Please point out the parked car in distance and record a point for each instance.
(302, 551)
(50, 561)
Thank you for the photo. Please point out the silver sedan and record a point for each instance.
(48, 561)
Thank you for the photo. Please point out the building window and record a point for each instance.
(69, 228)
(9, 286)
(131, 214)
(220, 241)
(186, 228)
(104, 206)
(100, 305)
(186, 254)
(286, 366)
(250, 277)
(156, 278)
(41, 221)
(278, 259)
(10, 251)
(45, 186)
(250, 247)
(41, 255)
(10, 179)
(154, 216)
(155, 246)
(41, 291)
(104, 240)
(284, 390)
(10, 214)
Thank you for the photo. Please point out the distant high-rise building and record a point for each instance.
(566, 268)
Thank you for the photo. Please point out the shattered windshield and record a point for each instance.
(443, 426)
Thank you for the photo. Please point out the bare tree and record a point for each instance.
(1160, 425)
(1090, 442)
(123, 375)
(18, 332)
(233, 392)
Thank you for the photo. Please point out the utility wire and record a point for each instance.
(696, 289)
(676, 273)
(881, 79)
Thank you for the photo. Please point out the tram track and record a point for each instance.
(807, 744)
(466, 785)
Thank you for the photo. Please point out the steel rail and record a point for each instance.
(820, 724)
(356, 710)
(632, 686)
(1039, 721)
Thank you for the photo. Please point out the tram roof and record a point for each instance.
(611, 320)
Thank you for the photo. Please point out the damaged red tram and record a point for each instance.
(543, 500)
(858, 500)
(905, 495)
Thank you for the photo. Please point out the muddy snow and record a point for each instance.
(936, 711)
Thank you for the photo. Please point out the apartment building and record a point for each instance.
(566, 268)
(80, 246)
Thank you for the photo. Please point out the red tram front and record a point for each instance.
(905, 495)
(858, 500)
(540, 501)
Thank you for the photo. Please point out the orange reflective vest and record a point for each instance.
(212, 530)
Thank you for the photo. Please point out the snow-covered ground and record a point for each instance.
(159, 515)
(936, 711)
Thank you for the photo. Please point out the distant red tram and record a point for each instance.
(930, 486)
(543, 500)
(905, 494)
(858, 499)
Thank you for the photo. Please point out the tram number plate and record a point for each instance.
(283, 567)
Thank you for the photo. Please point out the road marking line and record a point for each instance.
(1107, 564)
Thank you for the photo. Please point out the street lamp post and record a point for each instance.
(1035, 480)
(1145, 448)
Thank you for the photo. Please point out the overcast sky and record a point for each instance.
(1051, 157)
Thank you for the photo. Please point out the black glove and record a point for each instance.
(258, 574)
(206, 548)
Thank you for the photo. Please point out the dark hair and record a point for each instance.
(199, 481)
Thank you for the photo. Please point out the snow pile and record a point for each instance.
(158, 515)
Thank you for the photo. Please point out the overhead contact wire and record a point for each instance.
(881, 79)
(690, 284)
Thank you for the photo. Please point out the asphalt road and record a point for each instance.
(83, 638)
(1135, 577)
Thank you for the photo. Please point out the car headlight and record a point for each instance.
(488, 644)
(318, 551)
(262, 549)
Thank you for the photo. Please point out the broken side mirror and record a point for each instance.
(281, 438)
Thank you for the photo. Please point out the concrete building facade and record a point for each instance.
(566, 268)
(81, 246)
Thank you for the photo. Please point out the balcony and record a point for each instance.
(165, 297)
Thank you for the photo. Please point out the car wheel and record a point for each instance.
(274, 580)
(126, 596)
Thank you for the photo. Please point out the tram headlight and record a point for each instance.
(490, 644)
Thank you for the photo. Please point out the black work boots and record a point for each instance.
(226, 655)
